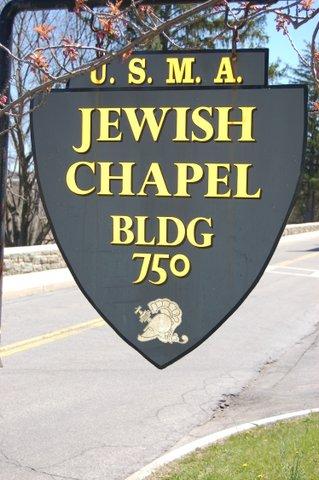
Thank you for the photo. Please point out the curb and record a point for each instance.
(180, 452)
(39, 258)
(25, 284)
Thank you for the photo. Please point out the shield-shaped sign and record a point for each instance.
(167, 203)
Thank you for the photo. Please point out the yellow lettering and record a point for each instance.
(187, 173)
(148, 118)
(181, 124)
(71, 178)
(203, 124)
(137, 74)
(125, 178)
(214, 180)
(122, 224)
(86, 130)
(246, 124)
(180, 70)
(155, 177)
(106, 124)
(141, 234)
(191, 233)
(98, 80)
(163, 231)
(225, 72)
(242, 182)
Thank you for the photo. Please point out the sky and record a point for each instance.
(279, 45)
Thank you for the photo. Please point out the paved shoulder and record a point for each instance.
(86, 406)
(288, 384)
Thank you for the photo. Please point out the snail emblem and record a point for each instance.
(161, 319)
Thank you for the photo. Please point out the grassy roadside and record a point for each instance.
(285, 451)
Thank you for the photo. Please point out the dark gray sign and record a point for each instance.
(156, 69)
(168, 204)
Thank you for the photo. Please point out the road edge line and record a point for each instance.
(208, 440)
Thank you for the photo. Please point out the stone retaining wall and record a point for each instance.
(45, 257)
(294, 228)
(32, 259)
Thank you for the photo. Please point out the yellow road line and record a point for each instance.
(33, 342)
(297, 259)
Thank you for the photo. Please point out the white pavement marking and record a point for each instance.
(296, 272)
(210, 440)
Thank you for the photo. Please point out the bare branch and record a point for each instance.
(142, 40)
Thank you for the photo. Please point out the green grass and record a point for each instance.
(285, 451)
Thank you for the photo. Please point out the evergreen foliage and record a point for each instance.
(307, 204)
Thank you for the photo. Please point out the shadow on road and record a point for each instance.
(316, 249)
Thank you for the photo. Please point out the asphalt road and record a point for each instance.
(80, 404)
